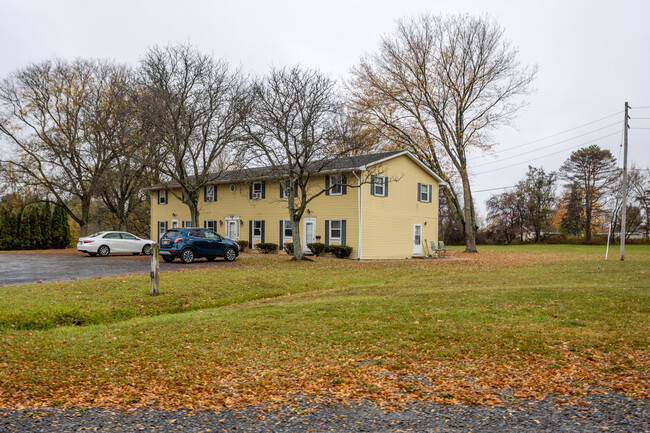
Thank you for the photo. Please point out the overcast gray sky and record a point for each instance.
(593, 55)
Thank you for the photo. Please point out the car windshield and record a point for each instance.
(172, 233)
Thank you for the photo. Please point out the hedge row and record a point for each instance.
(35, 227)
(340, 251)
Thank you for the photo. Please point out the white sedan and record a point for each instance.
(105, 243)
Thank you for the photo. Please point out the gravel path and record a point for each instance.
(611, 413)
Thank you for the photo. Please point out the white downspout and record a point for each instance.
(359, 214)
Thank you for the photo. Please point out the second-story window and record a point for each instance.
(379, 186)
(257, 191)
(162, 196)
(210, 193)
(337, 184)
(424, 192)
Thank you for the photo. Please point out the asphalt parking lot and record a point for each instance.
(27, 268)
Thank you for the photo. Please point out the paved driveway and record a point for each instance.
(25, 268)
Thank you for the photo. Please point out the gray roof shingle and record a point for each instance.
(322, 166)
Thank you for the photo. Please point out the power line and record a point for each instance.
(550, 154)
(494, 189)
(561, 132)
(547, 146)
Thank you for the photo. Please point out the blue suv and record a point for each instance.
(190, 243)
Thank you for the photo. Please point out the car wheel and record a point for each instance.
(187, 255)
(168, 259)
(230, 254)
(210, 258)
(103, 251)
(146, 250)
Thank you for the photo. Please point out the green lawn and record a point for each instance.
(510, 322)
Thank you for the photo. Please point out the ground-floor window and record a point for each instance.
(286, 232)
(187, 224)
(256, 232)
(210, 224)
(335, 232)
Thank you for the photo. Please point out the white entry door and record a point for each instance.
(308, 233)
(417, 239)
(232, 229)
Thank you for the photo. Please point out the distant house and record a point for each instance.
(389, 217)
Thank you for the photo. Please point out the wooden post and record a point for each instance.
(155, 268)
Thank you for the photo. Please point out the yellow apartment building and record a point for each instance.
(383, 205)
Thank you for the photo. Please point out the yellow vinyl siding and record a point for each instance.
(387, 222)
(387, 227)
(271, 210)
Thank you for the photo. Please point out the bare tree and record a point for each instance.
(640, 186)
(121, 126)
(437, 86)
(296, 129)
(634, 218)
(193, 107)
(508, 215)
(47, 113)
(594, 171)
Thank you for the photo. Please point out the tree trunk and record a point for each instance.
(295, 237)
(588, 222)
(194, 212)
(454, 206)
(85, 217)
(468, 209)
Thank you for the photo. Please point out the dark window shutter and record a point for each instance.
(281, 244)
(430, 188)
(250, 233)
(327, 232)
(250, 192)
(344, 181)
(419, 188)
(215, 192)
(327, 185)
(386, 186)
(282, 193)
(263, 189)
(343, 226)
(158, 196)
(205, 193)
(262, 229)
(372, 184)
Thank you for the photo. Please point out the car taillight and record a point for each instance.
(87, 242)
(177, 240)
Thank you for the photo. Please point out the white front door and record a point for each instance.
(417, 239)
(232, 229)
(308, 233)
(175, 223)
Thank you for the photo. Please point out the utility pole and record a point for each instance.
(624, 205)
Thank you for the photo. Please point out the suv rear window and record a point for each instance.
(172, 233)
